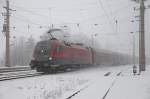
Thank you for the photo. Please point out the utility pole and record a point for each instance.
(133, 49)
(7, 33)
(142, 37)
(7, 57)
(134, 57)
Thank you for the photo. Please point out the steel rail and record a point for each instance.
(106, 74)
(18, 75)
(14, 69)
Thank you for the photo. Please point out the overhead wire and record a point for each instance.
(33, 13)
(91, 18)
(113, 12)
(37, 14)
(106, 14)
(25, 20)
(29, 11)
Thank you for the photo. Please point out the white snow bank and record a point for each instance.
(62, 85)
(39, 88)
(126, 86)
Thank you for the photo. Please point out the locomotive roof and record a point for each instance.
(56, 29)
(74, 45)
(64, 43)
(78, 46)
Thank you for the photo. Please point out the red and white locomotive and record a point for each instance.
(54, 54)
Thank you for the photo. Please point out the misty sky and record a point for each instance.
(33, 17)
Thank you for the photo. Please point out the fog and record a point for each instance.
(107, 22)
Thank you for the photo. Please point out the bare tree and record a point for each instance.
(29, 47)
(21, 51)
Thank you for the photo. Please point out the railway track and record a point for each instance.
(14, 69)
(18, 75)
(108, 90)
(78, 91)
(17, 72)
(8, 73)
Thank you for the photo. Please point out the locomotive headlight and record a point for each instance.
(50, 58)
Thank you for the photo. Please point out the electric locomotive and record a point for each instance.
(54, 54)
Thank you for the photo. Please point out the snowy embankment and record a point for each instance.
(126, 86)
(39, 87)
(129, 86)
(52, 86)
(92, 81)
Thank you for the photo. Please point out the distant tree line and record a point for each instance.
(21, 51)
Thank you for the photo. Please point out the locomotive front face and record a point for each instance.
(40, 56)
(41, 51)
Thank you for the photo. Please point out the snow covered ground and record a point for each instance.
(126, 86)
(92, 80)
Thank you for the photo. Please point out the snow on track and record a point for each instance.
(100, 87)
(127, 86)
(14, 69)
(132, 87)
(61, 85)
(19, 74)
